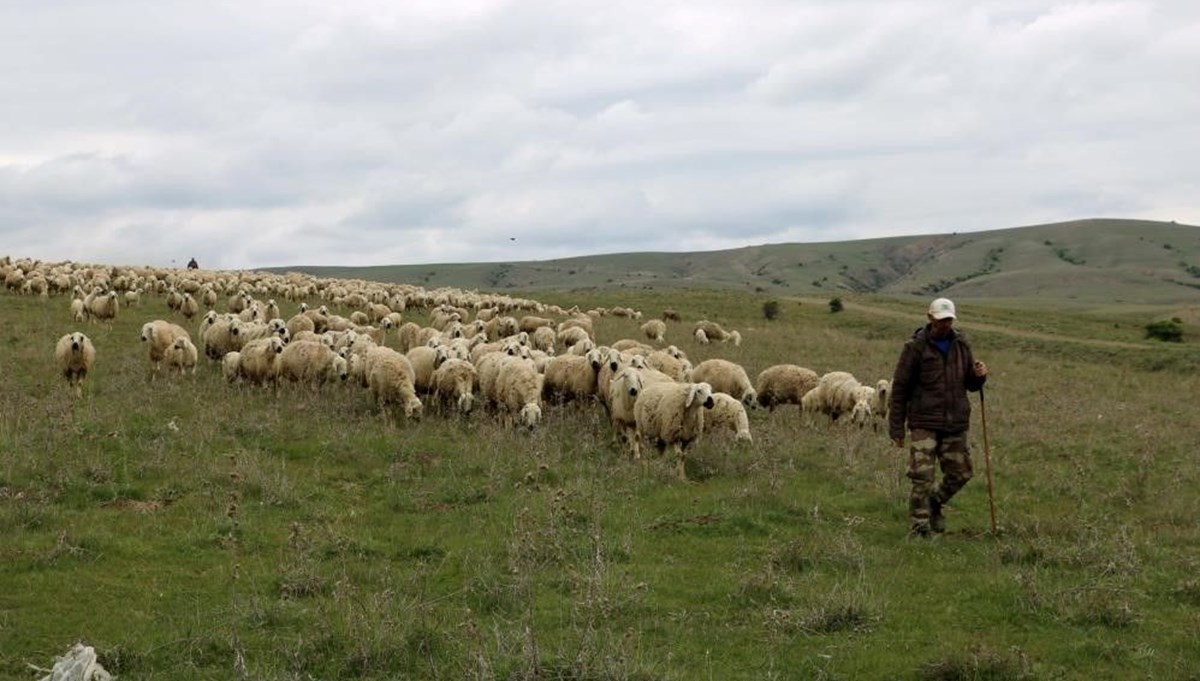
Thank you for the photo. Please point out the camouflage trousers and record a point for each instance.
(929, 448)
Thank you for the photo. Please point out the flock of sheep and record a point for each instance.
(509, 355)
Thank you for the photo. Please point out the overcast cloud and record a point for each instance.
(263, 133)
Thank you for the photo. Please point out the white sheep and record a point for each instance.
(183, 355)
(728, 414)
(311, 362)
(75, 355)
(455, 382)
(260, 359)
(518, 391)
(726, 377)
(655, 330)
(390, 378)
(78, 311)
(425, 360)
(231, 366)
(706, 332)
(784, 384)
(623, 390)
(678, 369)
(669, 413)
(572, 377)
(572, 335)
(160, 335)
(834, 395)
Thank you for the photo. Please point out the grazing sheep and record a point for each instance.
(706, 332)
(669, 413)
(75, 355)
(221, 337)
(183, 355)
(572, 335)
(726, 377)
(542, 338)
(784, 384)
(728, 414)
(834, 395)
(623, 390)
(300, 322)
(518, 392)
(670, 315)
(390, 379)
(454, 382)
(160, 335)
(530, 323)
(311, 362)
(655, 330)
(630, 346)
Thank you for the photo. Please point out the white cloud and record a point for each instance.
(368, 132)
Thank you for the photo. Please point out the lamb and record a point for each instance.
(518, 391)
(182, 355)
(390, 378)
(623, 390)
(726, 377)
(572, 377)
(161, 336)
(311, 362)
(455, 381)
(728, 414)
(655, 330)
(784, 384)
(669, 413)
(75, 355)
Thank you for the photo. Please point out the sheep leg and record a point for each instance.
(679, 463)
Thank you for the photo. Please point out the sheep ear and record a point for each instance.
(691, 394)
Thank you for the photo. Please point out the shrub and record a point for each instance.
(1168, 331)
(835, 305)
(771, 310)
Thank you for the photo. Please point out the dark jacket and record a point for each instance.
(929, 390)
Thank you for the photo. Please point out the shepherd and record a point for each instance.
(935, 372)
(193, 265)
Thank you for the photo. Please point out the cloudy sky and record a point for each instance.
(262, 133)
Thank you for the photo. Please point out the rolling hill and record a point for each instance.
(1095, 261)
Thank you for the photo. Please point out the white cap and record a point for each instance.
(941, 309)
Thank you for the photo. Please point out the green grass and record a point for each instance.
(187, 528)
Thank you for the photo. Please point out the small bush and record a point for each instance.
(771, 310)
(835, 305)
(1167, 331)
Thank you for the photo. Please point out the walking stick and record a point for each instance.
(987, 460)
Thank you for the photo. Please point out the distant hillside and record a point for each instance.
(1089, 261)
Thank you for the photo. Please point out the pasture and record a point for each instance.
(188, 528)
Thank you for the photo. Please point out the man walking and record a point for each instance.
(935, 372)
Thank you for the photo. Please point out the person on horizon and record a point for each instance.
(935, 372)
(193, 265)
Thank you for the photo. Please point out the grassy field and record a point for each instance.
(191, 529)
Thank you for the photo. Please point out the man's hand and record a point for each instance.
(980, 369)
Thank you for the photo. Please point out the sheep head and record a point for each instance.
(701, 392)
